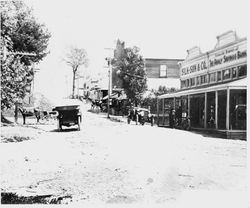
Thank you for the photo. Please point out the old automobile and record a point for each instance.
(140, 115)
(69, 114)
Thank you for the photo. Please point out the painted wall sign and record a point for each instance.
(200, 66)
(219, 58)
(226, 57)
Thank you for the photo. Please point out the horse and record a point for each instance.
(30, 111)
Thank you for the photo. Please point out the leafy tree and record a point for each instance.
(165, 90)
(20, 34)
(130, 68)
(75, 58)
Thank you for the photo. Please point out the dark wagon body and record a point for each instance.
(69, 115)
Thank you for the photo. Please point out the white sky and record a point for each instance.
(161, 29)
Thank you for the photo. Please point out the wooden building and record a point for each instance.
(213, 91)
(162, 72)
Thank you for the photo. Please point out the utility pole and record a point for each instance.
(110, 79)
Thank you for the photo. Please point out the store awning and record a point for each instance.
(114, 95)
(238, 84)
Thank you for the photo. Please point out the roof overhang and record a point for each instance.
(238, 84)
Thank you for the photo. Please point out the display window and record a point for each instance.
(237, 105)
(222, 108)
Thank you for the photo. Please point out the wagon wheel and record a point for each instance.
(79, 122)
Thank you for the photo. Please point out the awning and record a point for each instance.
(238, 84)
(114, 95)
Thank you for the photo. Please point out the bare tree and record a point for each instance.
(76, 58)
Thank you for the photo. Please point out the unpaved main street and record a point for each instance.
(113, 162)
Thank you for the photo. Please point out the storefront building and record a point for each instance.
(213, 93)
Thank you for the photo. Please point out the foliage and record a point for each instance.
(20, 32)
(15, 77)
(130, 67)
(151, 99)
(75, 58)
(164, 90)
(42, 102)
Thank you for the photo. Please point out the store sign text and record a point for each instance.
(194, 68)
(221, 58)
(227, 58)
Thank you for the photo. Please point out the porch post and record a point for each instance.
(157, 109)
(216, 109)
(174, 102)
(227, 110)
(205, 111)
(163, 108)
(189, 106)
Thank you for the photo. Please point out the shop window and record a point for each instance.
(237, 109)
(219, 76)
(234, 72)
(226, 74)
(211, 109)
(192, 82)
(212, 77)
(163, 71)
(197, 103)
(222, 107)
(242, 70)
(187, 83)
(198, 80)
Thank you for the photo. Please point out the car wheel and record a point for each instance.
(59, 125)
(79, 123)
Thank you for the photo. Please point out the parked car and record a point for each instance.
(140, 115)
(69, 114)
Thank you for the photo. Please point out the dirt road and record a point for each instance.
(113, 162)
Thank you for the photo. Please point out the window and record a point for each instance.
(187, 82)
(234, 72)
(219, 76)
(197, 80)
(242, 70)
(192, 82)
(203, 79)
(163, 71)
(226, 74)
(212, 77)
(183, 83)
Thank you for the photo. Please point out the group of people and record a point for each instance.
(140, 116)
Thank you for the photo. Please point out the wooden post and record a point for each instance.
(157, 107)
(205, 111)
(189, 106)
(174, 102)
(227, 109)
(163, 107)
(216, 109)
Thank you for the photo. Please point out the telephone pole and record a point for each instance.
(108, 59)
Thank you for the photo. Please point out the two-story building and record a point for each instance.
(213, 89)
(162, 72)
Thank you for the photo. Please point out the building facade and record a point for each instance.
(213, 91)
(162, 72)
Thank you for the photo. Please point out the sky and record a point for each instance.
(160, 28)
